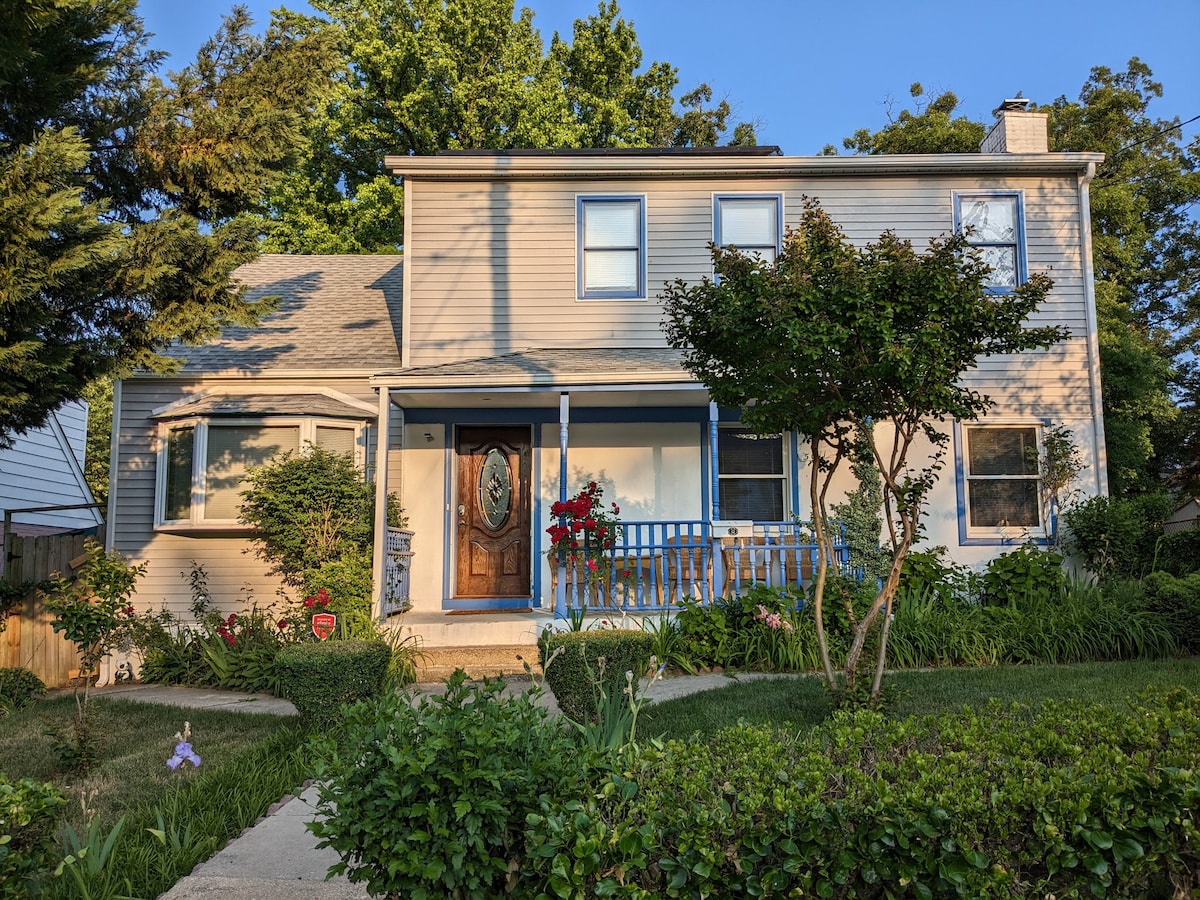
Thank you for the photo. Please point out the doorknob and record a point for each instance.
(462, 510)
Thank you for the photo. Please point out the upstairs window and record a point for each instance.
(612, 247)
(1001, 472)
(203, 464)
(750, 475)
(993, 223)
(751, 223)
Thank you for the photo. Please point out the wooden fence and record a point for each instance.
(28, 639)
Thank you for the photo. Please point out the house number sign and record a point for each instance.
(495, 489)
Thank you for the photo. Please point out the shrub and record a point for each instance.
(1077, 800)
(1117, 535)
(319, 678)
(573, 671)
(20, 687)
(1177, 600)
(431, 800)
(759, 628)
(28, 815)
(1027, 575)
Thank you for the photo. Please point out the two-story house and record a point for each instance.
(516, 355)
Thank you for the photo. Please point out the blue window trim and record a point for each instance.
(718, 199)
(960, 486)
(581, 291)
(1021, 258)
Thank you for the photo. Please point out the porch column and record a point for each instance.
(378, 559)
(714, 452)
(564, 421)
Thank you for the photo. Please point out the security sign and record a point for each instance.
(323, 625)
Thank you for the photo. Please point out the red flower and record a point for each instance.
(592, 566)
(592, 486)
(309, 602)
(323, 597)
(231, 621)
(589, 524)
(128, 610)
(283, 623)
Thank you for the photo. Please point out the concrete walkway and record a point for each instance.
(278, 859)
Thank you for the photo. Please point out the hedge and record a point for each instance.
(576, 662)
(320, 678)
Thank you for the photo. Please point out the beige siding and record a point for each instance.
(493, 265)
(235, 576)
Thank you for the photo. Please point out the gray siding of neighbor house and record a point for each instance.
(235, 575)
(492, 265)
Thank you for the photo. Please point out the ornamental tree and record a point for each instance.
(830, 340)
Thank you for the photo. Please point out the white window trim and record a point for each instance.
(718, 199)
(1019, 240)
(995, 535)
(582, 293)
(784, 476)
(196, 521)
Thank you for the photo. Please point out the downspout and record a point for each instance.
(114, 456)
(378, 559)
(1100, 450)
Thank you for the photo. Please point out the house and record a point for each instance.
(1186, 517)
(42, 487)
(515, 355)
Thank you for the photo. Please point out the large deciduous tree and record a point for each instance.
(429, 75)
(122, 194)
(846, 345)
(1146, 255)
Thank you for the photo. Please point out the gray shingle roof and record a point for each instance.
(560, 363)
(335, 312)
(265, 405)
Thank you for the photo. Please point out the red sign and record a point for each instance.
(323, 624)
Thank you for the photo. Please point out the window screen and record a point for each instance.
(750, 475)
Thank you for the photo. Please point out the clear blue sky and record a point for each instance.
(811, 73)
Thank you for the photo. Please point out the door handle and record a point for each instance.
(462, 512)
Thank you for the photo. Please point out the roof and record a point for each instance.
(335, 313)
(266, 405)
(557, 367)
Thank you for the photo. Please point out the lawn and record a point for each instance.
(802, 701)
(248, 762)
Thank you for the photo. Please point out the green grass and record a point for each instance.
(801, 702)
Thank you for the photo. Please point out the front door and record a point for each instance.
(494, 488)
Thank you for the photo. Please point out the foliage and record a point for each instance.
(584, 533)
(313, 520)
(668, 644)
(760, 628)
(20, 687)
(120, 191)
(430, 800)
(413, 84)
(28, 814)
(1117, 535)
(98, 395)
(1025, 575)
(861, 517)
(321, 678)
(571, 673)
(1083, 799)
(927, 574)
(1177, 600)
(933, 128)
(1059, 467)
(831, 337)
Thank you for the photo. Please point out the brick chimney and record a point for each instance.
(1017, 130)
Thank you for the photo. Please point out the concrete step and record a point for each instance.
(438, 663)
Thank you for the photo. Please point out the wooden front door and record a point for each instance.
(494, 488)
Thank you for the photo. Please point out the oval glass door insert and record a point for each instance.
(495, 489)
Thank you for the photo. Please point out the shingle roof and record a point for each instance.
(335, 312)
(559, 363)
(264, 405)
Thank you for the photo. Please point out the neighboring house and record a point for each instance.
(521, 356)
(43, 469)
(1185, 518)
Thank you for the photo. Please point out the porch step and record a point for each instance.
(438, 663)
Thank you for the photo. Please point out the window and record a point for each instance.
(993, 223)
(750, 475)
(203, 464)
(1001, 471)
(749, 223)
(612, 247)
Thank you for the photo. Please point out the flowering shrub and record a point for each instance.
(586, 532)
(319, 600)
(773, 620)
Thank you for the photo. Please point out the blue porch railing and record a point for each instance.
(652, 566)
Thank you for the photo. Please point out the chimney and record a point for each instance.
(1017, 130)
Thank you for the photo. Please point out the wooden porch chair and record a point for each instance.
(743, 560)
(687, 569)
(591, 595)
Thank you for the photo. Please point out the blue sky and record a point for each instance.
(811, 73)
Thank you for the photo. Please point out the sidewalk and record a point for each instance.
(278, 859)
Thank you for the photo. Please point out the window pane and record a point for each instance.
(611, 223)
(991, 220)
(1003, 262)
(611, 270)
(760, 499)
(748, 223)
(742, 452)
(1003, 503)
(178, 493)
(336, 440)
(1002, 451)
(232, 451)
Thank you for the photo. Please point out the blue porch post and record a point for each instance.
(718, 561)
(564, 421)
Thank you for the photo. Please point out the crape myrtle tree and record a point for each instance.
(842, 345)
(123, 194)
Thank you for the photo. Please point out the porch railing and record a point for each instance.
(398, 559)
(655, 565)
